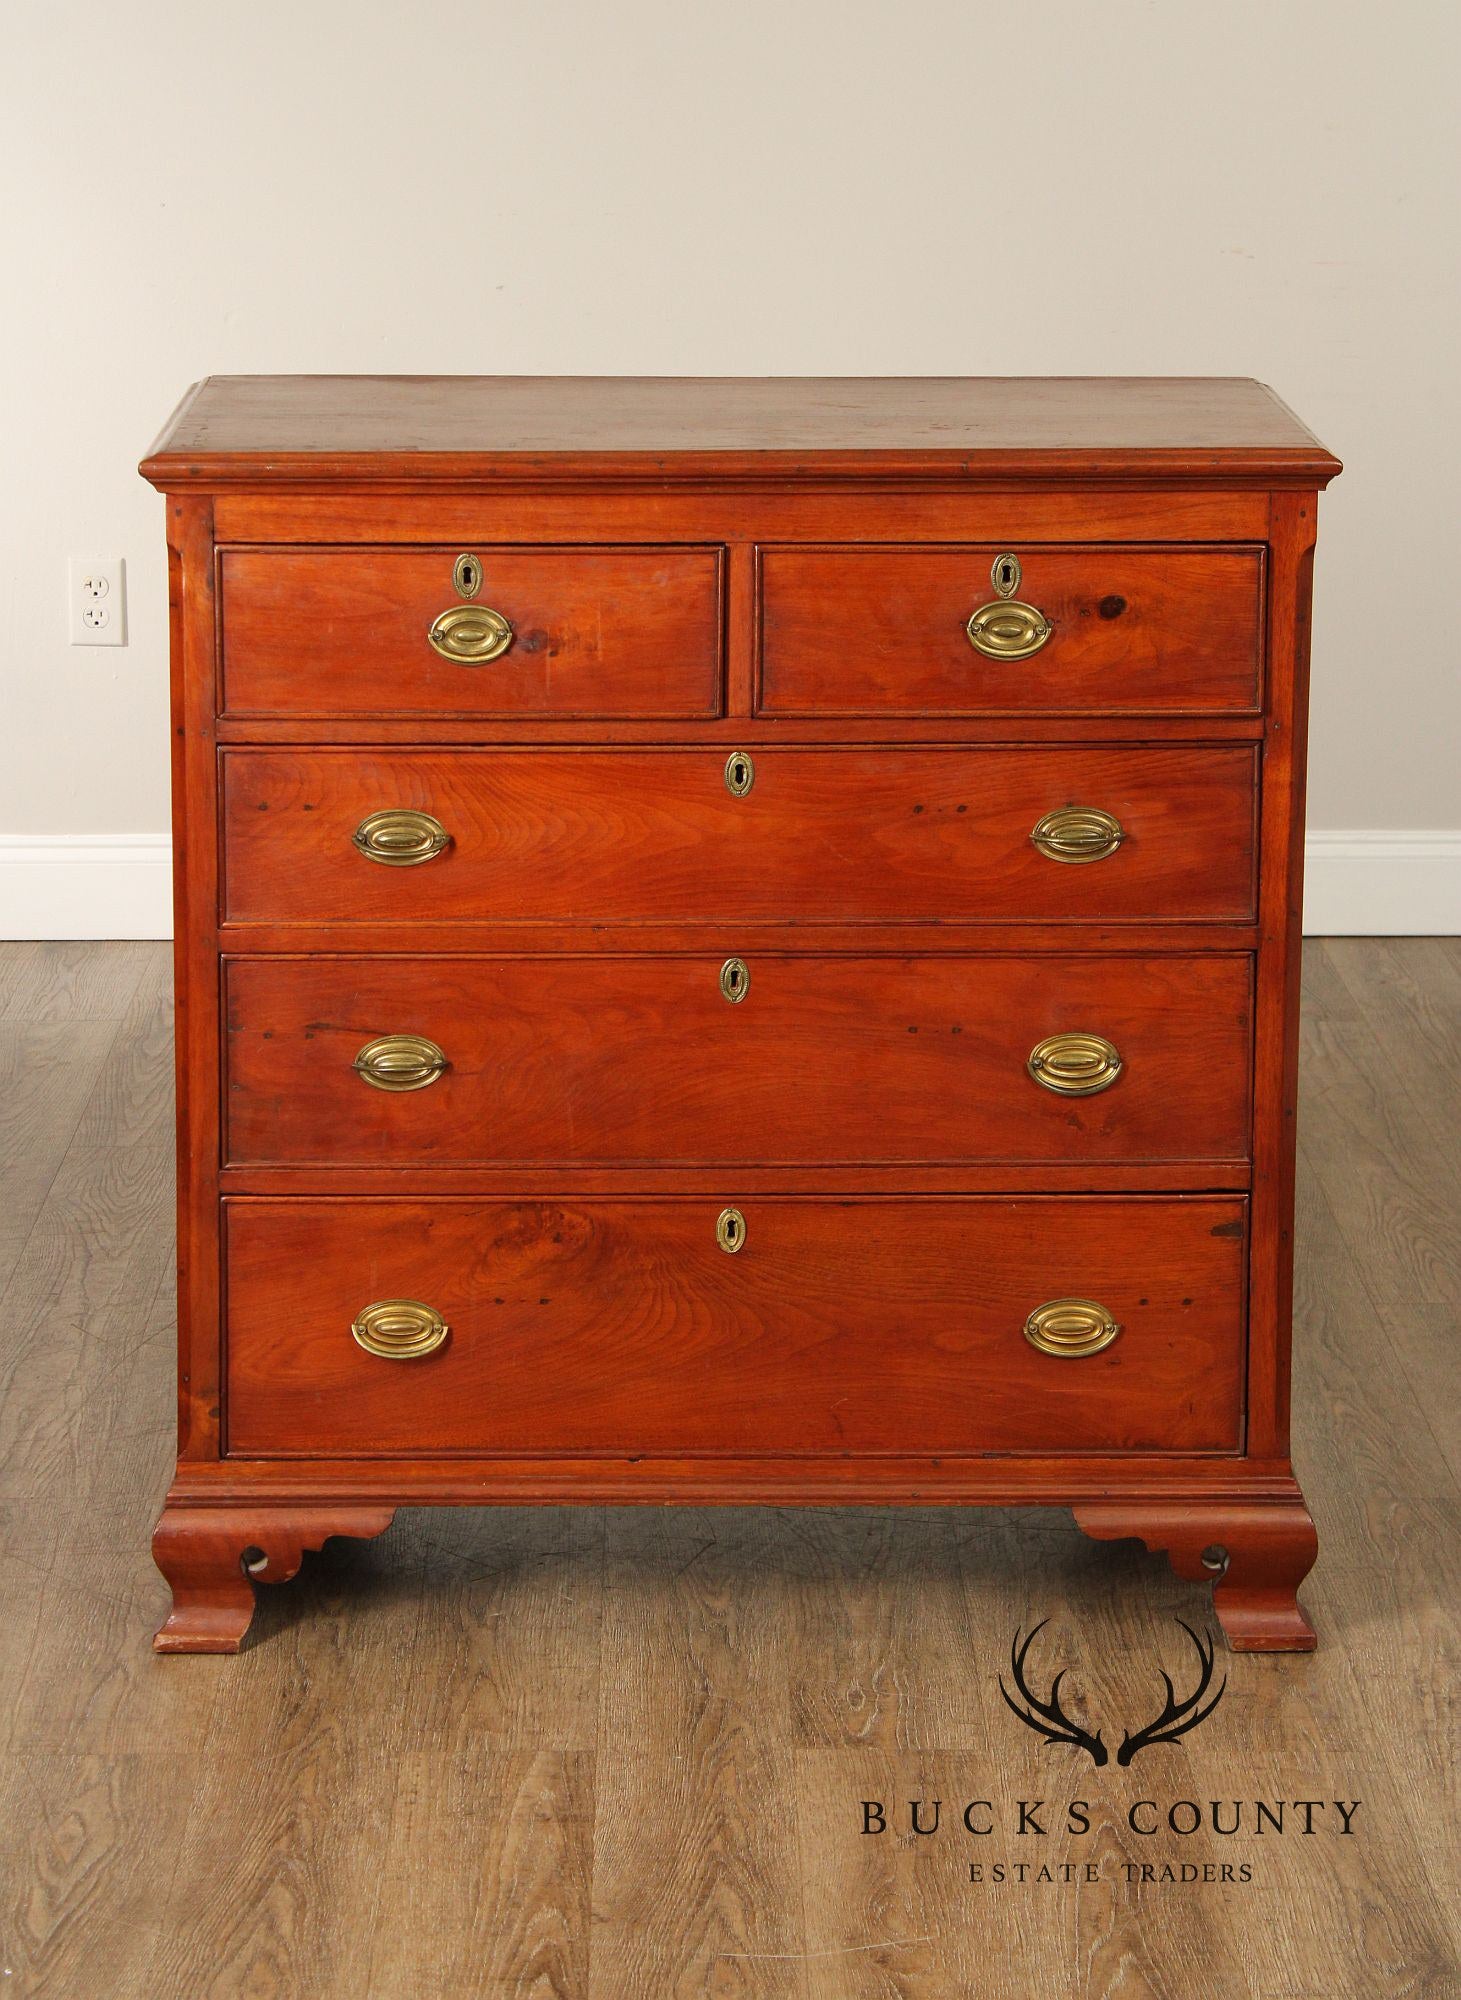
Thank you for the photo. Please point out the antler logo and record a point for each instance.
(1049, 1719)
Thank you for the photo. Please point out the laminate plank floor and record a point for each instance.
(623, 1755)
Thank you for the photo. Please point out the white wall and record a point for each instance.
(784, 186)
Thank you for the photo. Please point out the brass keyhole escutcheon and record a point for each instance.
(466, 575)
(735, 980)
(1070, 1329)
(740, 774)
(1005, 575)
(730, 1230)
(399, 1329)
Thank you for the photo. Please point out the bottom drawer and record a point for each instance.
(614, 1326)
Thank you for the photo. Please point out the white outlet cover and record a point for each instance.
(96, 600)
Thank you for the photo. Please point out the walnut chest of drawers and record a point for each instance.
(737, 941)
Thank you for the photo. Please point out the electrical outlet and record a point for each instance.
(97, 601)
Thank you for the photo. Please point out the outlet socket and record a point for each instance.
(96, 601)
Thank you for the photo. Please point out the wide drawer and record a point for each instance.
(1111, 631)
(612, 1326)
(370, 632)
(837, 835)
(338, 1061)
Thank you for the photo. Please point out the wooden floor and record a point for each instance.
(621, 1755)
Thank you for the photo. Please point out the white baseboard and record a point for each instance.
(102, 885)
(119, 885)
(1381, 884)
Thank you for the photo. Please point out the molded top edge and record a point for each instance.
(301, 429)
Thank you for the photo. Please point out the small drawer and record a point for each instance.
(710, 1058)
(508, 632)
(1082, 631)
(799, 837)
(618, 1327)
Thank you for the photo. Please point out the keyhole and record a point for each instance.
(735, 979)
(467, 576)
(1005, 575)
(740, 774)
(730, 1230)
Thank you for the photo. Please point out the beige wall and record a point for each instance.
(1056, 186)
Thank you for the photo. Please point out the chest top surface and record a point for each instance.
(295, 429)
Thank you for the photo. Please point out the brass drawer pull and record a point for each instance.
(740, 774)
(399, 1329)
(1007, 629)
(470, 634)
(735, 980)
(401, 1062)
(730, 1230)
(1077, 833)
(1071, 1328)
(398, 837)
(1074, 1065)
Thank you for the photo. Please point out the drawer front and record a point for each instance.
(623, 1327)
(589, 632)
(609, 1059)
(885, 631)
(848, 836)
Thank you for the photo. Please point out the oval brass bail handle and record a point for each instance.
(735, 980)
(1077, 833)
(1074, 1065)
(730, 1230)
(400, 1062)
(399, 1329)
(1070, 1329)
(1008, 629)
(398, 837)
(470, 634)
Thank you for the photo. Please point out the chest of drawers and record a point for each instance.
(737, 942)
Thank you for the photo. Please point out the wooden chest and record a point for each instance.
(737, 941)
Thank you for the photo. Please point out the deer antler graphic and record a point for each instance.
(1177, 1717)
(1047, 1718)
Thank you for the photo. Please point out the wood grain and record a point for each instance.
(504, 1905)
(584, 1061)
(47, 1073)
(265, 430)
(599, 836)
(624, 1328)
(595, 632)
(948, 510)
(881, 631)
(713, 1903)
(57, 981)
